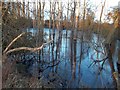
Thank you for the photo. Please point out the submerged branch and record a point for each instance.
(98, 61)
(55, 64)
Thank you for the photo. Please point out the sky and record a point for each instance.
(96, 3)
(108, 6)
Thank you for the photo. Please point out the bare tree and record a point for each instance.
(50, 24)
(58, 43)
(53, 30)
(18, 8)
(23, 8)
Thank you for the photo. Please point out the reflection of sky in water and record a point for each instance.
(88, 76)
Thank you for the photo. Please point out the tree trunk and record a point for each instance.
(50, 24)
(109, 53)
(18, 8)
(42, 27)
(57, 57)
(23, 9)
(74, 43)
(67, 30)
(53, 29)
(28, 12)
(118, 67)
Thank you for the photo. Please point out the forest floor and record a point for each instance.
(23, 80)
(15, 79)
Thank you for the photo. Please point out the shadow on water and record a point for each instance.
(89, 73)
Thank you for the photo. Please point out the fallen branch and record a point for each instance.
(28, 48)
(13, 42)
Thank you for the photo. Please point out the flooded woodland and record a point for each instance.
(60, 44)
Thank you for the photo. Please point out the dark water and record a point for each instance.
(86, 74)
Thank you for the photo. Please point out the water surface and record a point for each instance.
(87, 73)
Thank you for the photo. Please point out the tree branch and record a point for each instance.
(28, 48)
(13, 42)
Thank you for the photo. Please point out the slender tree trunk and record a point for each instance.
(50, 24)
(28, 12)
(67, 31)
(23, 9)
(79, 76)
(118, 66)
(57, 57)
(75, 37)
(82, 32)
(111, 62)
(1, 3)
(73, 45)
(13, 7)
(18, 8)
(38, 35)
(39, 26)
(34, 14)
(53, 29)
(42, 27)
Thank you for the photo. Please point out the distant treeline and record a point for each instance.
(64, 25)
(88, 25)
(47, 24)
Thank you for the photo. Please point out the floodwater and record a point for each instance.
(86, 73)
